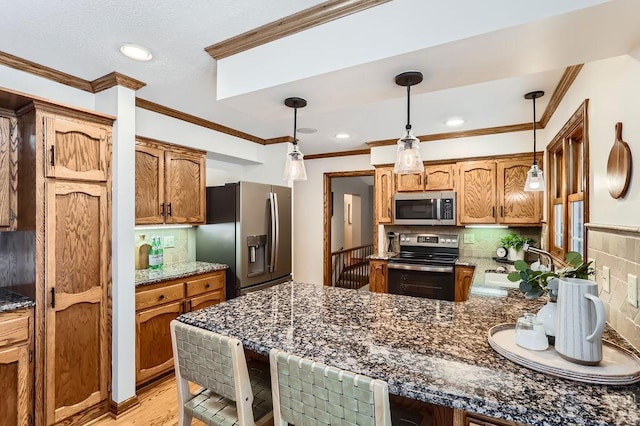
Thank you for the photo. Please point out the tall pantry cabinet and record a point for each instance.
(65, 164)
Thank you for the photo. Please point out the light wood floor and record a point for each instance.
(158, 407)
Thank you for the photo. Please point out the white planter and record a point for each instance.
(515, 254)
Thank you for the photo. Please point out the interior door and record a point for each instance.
(77, 259)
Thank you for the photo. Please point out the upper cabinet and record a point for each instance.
(436, 177)
(492, 191)
(76, 149)
(170, 184)
(8, 173)
(384, 190)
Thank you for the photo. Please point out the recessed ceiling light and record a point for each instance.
(343, 135)
(307, 130)
(136, 52)
(454, 121)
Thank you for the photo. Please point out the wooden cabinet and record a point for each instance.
(78, 252)
(378, 276)
(436, 177)
(8, 173)
(76, 149)
(462, 418)
(170, 184)
(492, 191)
(156, 306)
(464, 280)
(16, 404)
(384, 191)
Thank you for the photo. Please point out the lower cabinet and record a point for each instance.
(16, 372)
(471, 419)
(378, 276)
(159, 304)
(464, 280)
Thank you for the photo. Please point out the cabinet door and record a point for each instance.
(439, 177)
(517, 206)
(154, 355)
(410, 182)
(8, 173)
(464, 279)
(378, 274)
(149, 185)
(205, 300)
(477, 192)
(76, 150)
(384, 190)
(77, 262)
(185, 188)
(14, 378)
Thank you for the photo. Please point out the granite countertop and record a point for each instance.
(382, 256)
(430, 350)
(10, 301)
(175, 271)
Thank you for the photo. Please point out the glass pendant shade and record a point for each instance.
(294, 166)
(408, 159)
(535, 180)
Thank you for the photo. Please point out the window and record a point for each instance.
(568, 164)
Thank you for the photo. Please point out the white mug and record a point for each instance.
(580, 321)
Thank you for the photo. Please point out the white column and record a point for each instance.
(120, 102)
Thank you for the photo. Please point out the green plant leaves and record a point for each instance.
(520, 265)
(514, 276)
(574, 258)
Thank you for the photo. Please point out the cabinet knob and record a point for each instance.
(207, 285)
(161, 297)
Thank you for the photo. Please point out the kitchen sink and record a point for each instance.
(495, 279)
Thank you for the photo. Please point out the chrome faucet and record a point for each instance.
(540, 252)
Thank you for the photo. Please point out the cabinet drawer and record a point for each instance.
(159, 296)
(202, 285)
(14, 328)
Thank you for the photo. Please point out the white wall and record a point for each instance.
(357, 186)
(308, 209)
(220, 172)
(613, 89)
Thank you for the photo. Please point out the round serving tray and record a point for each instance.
(618, 366)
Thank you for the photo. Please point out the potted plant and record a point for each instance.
(536, 280)
(514, 243)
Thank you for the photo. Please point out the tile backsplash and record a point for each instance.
(485, 240)
(184, 243)
(620, 251)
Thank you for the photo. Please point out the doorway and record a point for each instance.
(348, 228)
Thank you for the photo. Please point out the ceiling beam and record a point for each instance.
(303, 20)
(567, 79)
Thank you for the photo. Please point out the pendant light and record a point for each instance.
(408, 158)
(294, 165)
(535, 180)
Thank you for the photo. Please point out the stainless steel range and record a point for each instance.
(425, 266)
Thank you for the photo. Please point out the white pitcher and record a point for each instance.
(580, 321)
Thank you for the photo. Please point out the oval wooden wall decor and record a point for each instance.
(619, 166)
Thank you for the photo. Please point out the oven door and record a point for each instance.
(430, 281)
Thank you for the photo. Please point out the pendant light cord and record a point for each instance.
(535, 162)
(408, 126)
(295, 123)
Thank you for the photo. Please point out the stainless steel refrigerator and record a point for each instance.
(248, 228)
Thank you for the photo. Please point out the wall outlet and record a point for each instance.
(605, 279)
(169, 241)
(632, 290)
(469, 238)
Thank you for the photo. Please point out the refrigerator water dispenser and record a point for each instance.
(256, 244)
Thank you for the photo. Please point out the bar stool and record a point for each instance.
(232, 393)
(311, 393)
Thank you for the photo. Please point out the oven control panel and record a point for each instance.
(429, 240)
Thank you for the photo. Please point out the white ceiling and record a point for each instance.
(478, 58)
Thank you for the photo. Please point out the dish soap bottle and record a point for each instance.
(155, 255)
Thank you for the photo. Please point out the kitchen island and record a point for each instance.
(427, 350)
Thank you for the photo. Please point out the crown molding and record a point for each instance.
(568, 77)
(115, 79)
(366, 151)
(281, 139)
(303, 20)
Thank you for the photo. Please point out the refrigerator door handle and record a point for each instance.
(272, 220)
(276, 249)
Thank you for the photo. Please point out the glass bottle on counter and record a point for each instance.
(156, 254)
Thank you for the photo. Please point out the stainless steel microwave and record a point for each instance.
(425, 208)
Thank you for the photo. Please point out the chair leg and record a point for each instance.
(184, 419)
